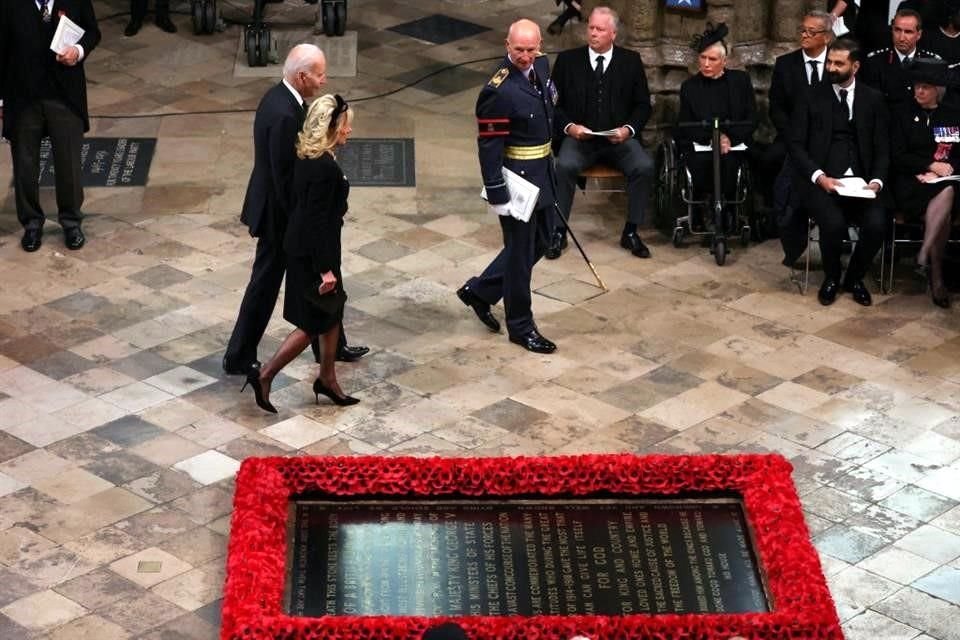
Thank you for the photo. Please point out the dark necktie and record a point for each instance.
(814, 74)
(45, 10)
(599, 68)
(843, 104)
(533, 79)
(906, 61)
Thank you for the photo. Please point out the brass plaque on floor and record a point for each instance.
(105, 162)
(521, 557)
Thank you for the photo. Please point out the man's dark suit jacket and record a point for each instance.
(629, 94)
(812, 132)
(788, 87)
(27, 64)
(267, 204)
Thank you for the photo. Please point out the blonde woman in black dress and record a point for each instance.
(313, 298)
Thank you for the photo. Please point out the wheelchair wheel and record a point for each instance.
(329, 19)
(340, 15)
(719, 251)
(253, 53)
(209, 16)
(666, 187)
(678, 234)
(745, 236)
(196, 14)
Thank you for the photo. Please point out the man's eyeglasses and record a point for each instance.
(810, 32)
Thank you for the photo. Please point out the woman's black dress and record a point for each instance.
(729, 97)
(920, 137)
(312, 240)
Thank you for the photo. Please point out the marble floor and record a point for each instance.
(119, 435)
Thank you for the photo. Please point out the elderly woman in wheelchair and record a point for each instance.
(706, 156)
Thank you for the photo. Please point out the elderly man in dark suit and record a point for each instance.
(267, 203)
(793, 75)
(508, 139)
(602, 87)
(841, 130)
(45, 93)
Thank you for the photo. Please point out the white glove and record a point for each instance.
(501, 209)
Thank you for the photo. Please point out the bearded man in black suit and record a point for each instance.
(839, 131)
(45, 94)
(602, 87)
(268, 203)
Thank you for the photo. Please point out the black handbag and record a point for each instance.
(328, 306)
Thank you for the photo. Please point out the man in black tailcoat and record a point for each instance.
(602, 87)
(45, 94)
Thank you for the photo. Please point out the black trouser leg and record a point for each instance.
(258, 302)
(138, 9)
(163, 9)
(873, 228)
(25, 149)
(825, 209)
(66, 137)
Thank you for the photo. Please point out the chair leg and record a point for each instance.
(806, 270)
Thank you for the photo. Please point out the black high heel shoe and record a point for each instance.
(341, 401)
(253, 379)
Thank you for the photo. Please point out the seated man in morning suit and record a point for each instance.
(841, 130)
(886, 69)
(602, 87)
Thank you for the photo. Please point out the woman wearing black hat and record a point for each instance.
(925, 146)
(716, 92)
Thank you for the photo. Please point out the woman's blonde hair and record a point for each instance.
(317, 137)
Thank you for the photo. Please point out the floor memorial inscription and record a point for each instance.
(593, 557)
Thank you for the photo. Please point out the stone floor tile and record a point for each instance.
(848, 544)
(34, 466)
(149, 567)
(298, 431)
(855, 590)
(128, 431)
(179, 381)
(208, 467)
(898, 565)
(191, 590)
(12, 630)
(950, 521)
(932, 543)
(90, 627)
(943, 583)
(186, 627)
(72, 485)
(916, 502)
(793, 396)
(140, 613)
(695, 405)
(870, 625)
(9, 484)
(43, 610)
(944, 481)
(98, 588)
(922, 611)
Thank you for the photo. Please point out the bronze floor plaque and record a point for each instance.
(606, 557)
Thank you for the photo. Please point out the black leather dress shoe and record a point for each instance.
(31, 239)
(860, 293)
(232, 369)
(166, 24)
(73, 237)
(828, 291)
(481, 308)
(558, 242)
(133, 27)
(533, 341)
(351, 354)
(633, 242)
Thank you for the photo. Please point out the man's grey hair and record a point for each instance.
(607, 11)
(826, 20)
(300, 58)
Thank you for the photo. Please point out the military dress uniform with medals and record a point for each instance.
(515, 120)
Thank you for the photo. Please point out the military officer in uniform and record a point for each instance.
(887, 69)
(515, 120)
